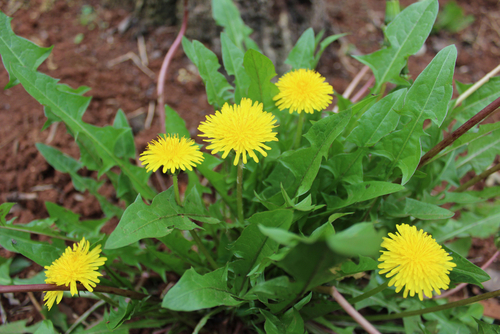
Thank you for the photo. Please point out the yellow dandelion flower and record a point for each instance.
(243, 128)
(416, 261)
(303, 90)
(75, 265)
(51, 297)
(172, 152)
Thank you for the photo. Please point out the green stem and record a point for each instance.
(202, 248)
(85, 316)
(298, 134)
(176, 190)
(239, 192)
(478, 178)
(437, 308)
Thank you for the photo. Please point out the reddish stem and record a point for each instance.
(488, 110)
(164, 68)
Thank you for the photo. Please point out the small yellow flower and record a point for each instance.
(171, 152)
(77, 264)
(303, 90)
(418, 262)
(242, 128)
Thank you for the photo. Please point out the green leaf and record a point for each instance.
(486, 328)
(468, 138)
(360, 239)
(4, 211)
(378, 121)
(216, 85)
(261, 70)
(426, 211)
(273, 325)
(426, 99)
(57, 159)
(232, 57)
(406, 34)
(302, 54)
(69, 222)
(124, 312)
(227, 15)
(17, 327)
(23, 232)
(217, 180)
(305, 163)
(252, 246)
(195, 292)
(473, 104)
(278, 289)
(18, 50)
(361, 192)
(323, 45)
(70, 108)
(174, 124)
(46, 327)
(125, 146)
(481, 152)
(470, 224)
(141, 221)
(309, 264)
(41, 253)
(465, 271)
(365, 264)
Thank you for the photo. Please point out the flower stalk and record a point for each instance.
(239, 192)
(203, 249)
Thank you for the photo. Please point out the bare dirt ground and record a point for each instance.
(87, 51)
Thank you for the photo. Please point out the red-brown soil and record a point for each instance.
(29, 181)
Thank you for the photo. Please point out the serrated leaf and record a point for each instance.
(305, 163)
(378, 121)
(141, 221)
(426, 211)
(124, 312)
(278, 288)
(17, 327)
(18, 50)
(406, 34)
(70, 108)
(426, 99)
(175, 124)
(195, 292)
(232, 56)
(216, 85)
(359, 239)
(302, 54)
(261, 70)
(466, 271)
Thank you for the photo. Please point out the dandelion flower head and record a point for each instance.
(303, 90)
(416, 261)
(172, 152)
(243, 128)
(77, 264)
